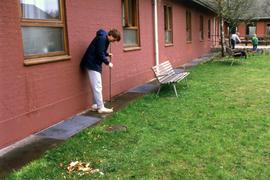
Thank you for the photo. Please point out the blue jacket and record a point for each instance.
(96, 53)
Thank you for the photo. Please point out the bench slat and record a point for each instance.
(174, 78)
(163, 69)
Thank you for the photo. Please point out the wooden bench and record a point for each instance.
(265, 40)
(236, 54)
(165, 74)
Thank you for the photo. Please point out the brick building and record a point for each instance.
(41, 45)
(260, 26)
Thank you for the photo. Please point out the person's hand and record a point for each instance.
(110, 65)
(110, 54)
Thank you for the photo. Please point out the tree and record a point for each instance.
(240, 10)
(266, 7)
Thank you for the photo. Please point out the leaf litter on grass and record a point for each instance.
(82, 168)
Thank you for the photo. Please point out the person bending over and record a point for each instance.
(95, 55)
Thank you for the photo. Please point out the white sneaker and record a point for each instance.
(105, 110)
(94, 107)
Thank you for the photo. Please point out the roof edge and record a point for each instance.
(201, 3)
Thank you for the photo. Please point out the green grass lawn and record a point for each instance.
(218, 129)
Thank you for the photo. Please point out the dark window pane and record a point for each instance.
(165, 18)
(131, 11)
(168, 25)
(170, 17)
(42, 40)
(268, 29)
(40, 9)
(123, 14)
(209, 28)
(201, 28)
(188, 26)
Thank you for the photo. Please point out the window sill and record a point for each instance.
(35, 61)
(168, 45)
(126, 49)
(189, 42)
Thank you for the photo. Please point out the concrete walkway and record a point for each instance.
(250, 47)
(17, 155)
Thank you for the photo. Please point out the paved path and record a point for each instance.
(250, 47)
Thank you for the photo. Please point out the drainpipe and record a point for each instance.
(156, 32)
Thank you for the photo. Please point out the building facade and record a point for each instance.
(41, 45)
(259, 27)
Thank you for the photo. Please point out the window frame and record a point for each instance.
(168, 22)
(188, 26)
(201, 28)
(129, 26)
(49, 23)
(252, 24)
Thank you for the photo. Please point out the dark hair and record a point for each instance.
(115, 34)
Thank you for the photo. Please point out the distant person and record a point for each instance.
(234, 39)
(95, 55)
(255, 42)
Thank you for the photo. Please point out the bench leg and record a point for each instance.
(232, 62)
(186, 82)
(175, 90)
(158, 90)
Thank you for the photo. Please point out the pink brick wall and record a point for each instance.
(35, 97)
(182, 51)
(260, 28)
(242, 29)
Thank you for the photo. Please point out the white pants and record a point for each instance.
(96, 86)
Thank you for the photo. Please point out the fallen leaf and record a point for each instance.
(82, 168)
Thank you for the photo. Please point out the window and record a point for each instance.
(251, 29)
(201, 28)
(168, 27)
(43, 30)
(268, 29)
(209, 29)
(188, 26)
(130, 23)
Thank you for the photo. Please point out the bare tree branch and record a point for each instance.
(266, 7)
